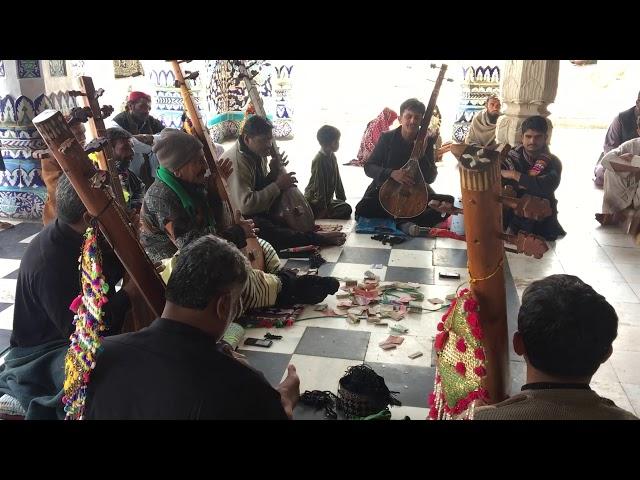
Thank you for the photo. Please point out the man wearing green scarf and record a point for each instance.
(178, 208)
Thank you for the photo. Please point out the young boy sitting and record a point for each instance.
(325, 179)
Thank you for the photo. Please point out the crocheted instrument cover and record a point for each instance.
(86, 340)
(460, 364)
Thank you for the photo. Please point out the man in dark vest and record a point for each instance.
(622, 129)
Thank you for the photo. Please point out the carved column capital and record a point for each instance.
(528, 86)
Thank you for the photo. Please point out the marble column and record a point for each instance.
(528, 86)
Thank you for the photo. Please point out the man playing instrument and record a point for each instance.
(178, 208)
(42, 320)
(389, 156)
(255, 190)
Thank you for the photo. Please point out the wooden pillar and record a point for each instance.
(483, 226)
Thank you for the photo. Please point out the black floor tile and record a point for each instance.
(5, 336)
(450, 257)
(272, 365)
(12, 250)
(19, 232)
(413, 384)
(365, 256)
(325, 269)
(406, 274)
(333, 343)
(416, 244)
(4, 306)
(13, 275)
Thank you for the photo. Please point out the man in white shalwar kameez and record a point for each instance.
(621, 181)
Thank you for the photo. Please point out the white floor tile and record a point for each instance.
(414, 413)
(6, 318)
(399, 355)
(8, 290)
(616, 240)
(606, 373)
(614, 392)
(633, 394)
(28, 239)
(630, 272)
(616, 291)
(628, 339)
(575, 255)
(628, 313)
(450, 243)
(356, 271)
(626, 366)
(320, 373)
(589, 274)
(411, 258)
(8, 265)
(623, 255)
(331, 254)
(463, 272)
(364, 240)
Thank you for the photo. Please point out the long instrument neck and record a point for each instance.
(258, 104)
(418, 146)
(96, 125)
(218, 180)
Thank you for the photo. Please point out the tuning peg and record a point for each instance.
(433, 65)
(191, 75)
(95, 145)
(99, 93)
(80, 114)
(76, 93)
(177, 84)
(106, 110)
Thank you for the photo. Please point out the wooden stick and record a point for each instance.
(99, 203)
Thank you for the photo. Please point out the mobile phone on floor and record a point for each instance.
(258, 342)
(449, 275)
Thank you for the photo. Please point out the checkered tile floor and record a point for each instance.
(323, 348)
(13, 243)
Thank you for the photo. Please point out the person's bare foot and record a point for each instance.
(333, 238)
(289, 391)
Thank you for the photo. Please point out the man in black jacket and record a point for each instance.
(47, 283)
(175, 368)
(387, 159)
